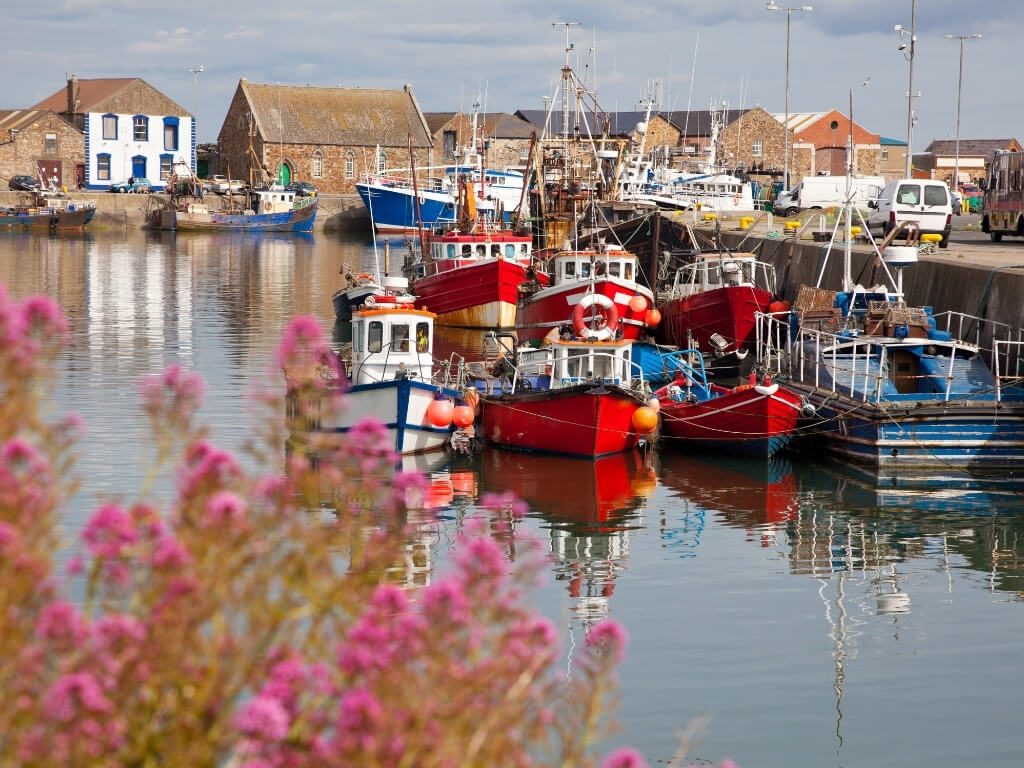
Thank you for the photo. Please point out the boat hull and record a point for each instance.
(728, 311)
(345, 301)
(401, 406)
(296, 220)
(70, 220)
(478, 295)
(749, 421)
(551, 307)
(583, 420)
(393, 209)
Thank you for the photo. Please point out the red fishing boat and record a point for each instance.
(573, 397)
(754, 419)
(580, 283)
(717, 295)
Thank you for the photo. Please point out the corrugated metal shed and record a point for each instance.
(291, 114)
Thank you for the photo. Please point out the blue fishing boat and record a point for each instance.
(898, 387)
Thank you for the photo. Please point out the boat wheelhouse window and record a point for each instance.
(451, 250)
(467, 249)
(524, 249)
(481, 250)
(422, 337)
(569, 269)
(400, 337)
(575, 364)
(495, 250)
(375, 336)
(510, 251)
(615, 268)
(584, 269)
(712, 273)
(627, 272)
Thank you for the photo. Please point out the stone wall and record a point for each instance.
(22, 155)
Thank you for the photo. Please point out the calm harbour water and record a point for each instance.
(817, 615)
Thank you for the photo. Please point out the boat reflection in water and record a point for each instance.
(756, 495)
(590, 509)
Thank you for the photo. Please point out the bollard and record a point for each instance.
(710, 216)
(931, 237)
(746, 222)
(792, 226)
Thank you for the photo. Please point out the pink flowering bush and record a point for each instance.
(238, 625)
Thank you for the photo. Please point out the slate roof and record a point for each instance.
(108, 94)
(695, 122)
(293, 114)
(20, 119)
(498, 125)
(973, 147)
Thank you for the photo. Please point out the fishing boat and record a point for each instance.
(758, 418)
(713, 301)
(598, 290)
(895, 386)
(393, 378)
(268, 208)
(573, 397)
(469, 275)
(48, 210)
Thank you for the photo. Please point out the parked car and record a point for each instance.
(134, 184)
(236, 186)
(926, 202)
(217, 183)
(302, 189)
(23, 183)
(972, 194)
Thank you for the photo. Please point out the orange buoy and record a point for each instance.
(779, 307)
(638, 303)
(439, 412)
(462, 415)
(652, 318)
(645, 419)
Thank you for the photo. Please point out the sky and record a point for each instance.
(508, 55)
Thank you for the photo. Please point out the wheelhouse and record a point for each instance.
(391, 342)
(568, 266)
(718, 270)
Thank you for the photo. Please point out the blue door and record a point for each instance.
(139, 167)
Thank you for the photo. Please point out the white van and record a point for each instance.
(922, 200)
(825, 191)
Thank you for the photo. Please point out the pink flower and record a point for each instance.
(608, 635)
(504, 502)
(169, 553)
(625, 757)
(61, 621)
(109, 532)
(172, 393)
(225, 507)
(481, 561)
(75, 691)
(43, 314)
(263, 717)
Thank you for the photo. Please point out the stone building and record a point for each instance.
(131, 129)
(332, 137)
(507, 137)
(892, 162)
(755, 144)
(39, 142)
(972, 161)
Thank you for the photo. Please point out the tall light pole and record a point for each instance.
(908, 52)
(771, 6)
(195, 84)
(959, 91)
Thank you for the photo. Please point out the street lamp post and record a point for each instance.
(771, 6)
(911, 38)
(959, 91)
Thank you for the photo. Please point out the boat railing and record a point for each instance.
(575, 373)
(451, 373)
(1006, 364)
(379, 366)
(726, 271)
(1000, 342)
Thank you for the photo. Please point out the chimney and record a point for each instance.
(73, 95)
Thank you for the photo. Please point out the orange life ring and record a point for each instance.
(267, 206)
(608, 310)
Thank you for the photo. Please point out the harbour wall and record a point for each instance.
(973, 279)
(116, 211)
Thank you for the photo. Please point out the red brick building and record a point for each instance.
(330, 136)
(827, 133)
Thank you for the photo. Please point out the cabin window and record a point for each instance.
(103, 167)
(110, 127)
(510, 251)
(382, 161)
(524, 249)
(350, 165)
(584, 269)
(140, 128)
(375, 336)
(569, 269)
(467, 250)
(713, 274)
(422, 337)
(51, 144)
(602, 367)
(481, 251)
(627, 272)
(574, 365)
(400, 337)
(614, 268)
(495, 250)
(451, 250)
(318, 164)
(756, 148)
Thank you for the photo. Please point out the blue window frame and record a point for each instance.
(140, 128)
(103, 167)
(166, 165)
(110, 127)
(170, 133)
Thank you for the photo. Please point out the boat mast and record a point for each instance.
(416, 200)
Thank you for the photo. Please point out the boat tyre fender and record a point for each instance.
(266, 207)
(766, 389)
(608, 310)
(421, 199)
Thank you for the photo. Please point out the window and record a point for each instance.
(935, 195)
(909, 194)
(448, 145)
(627, 271)
(165, 166)
(451, 250)
(885, 153)
(585, 269)
(350, 165)
(110, 127)
(756, 148)
(481, 251)
(375, 336)
(318, 164)
(140, 128)
(422, 337)
(382, 161)
(51, 143)
(614, 268)
(570, 269)
(103, 167)
(400, 337)
(170, 133)
(510, 251)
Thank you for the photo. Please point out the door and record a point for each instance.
(935, 208)
(50, 170)
(284, 175)
(139, 167)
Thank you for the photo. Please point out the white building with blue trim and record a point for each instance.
(131, 129)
